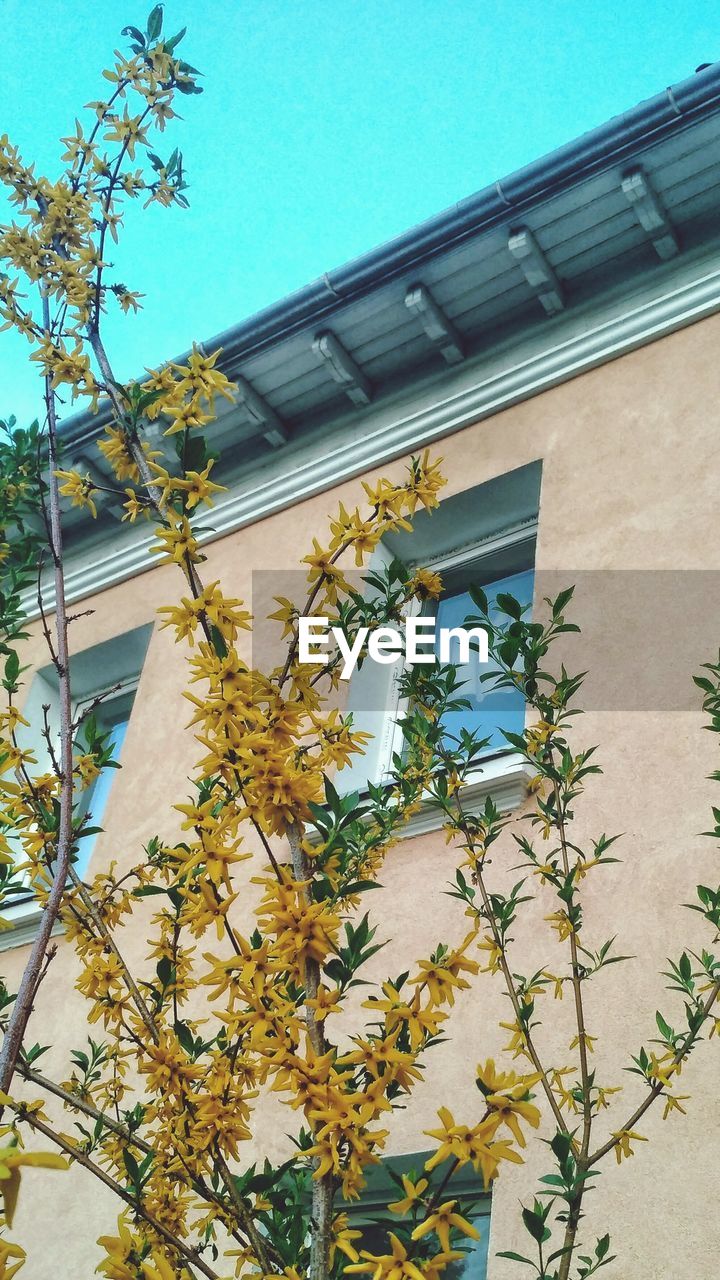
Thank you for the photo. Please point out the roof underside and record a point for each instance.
(589, 234)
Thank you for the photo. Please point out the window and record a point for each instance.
(484, 536)
(508, 569)
(369, 1213)
(112, 717)
(114, 666)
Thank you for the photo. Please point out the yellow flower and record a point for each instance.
(120, 456)
(12, 1159)
(128, 300)
(425, 584)
(441, 1221)
(419, 1022)
(672, 1103)
(343, 1239)
(413, 1193)
(186, 416)
(661, 1070)
(128, 130)
(135, 506)
(198, 488)
(176, 543)
(325, 1003)
(588, 1040)
(508, 1098)
(79, 489)
(120, 1249)
(562, 923)
(489, 944)
(389, 1266)
(200, 377)
(158, 1268)
(603, 1094)
(425, 482)
(8, 1251)
(622, 1143)
(476, 1146)
(442, 977)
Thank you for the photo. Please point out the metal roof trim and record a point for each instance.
(671, 110)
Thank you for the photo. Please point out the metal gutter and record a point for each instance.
(674, 108)
(670, 111)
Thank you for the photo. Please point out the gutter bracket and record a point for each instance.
(538, 272)
(650, 214)
(258, 409)
(342, 367)
(438, 328)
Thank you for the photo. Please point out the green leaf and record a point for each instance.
(136, 35)
(560, 601)
(534, 1224)
(602, 1247)
(509, 605)
(131, 1167)
(218, 640)
(154, 23)
(479, 598)
(175, 40)
(665, 1031)
(12, 670)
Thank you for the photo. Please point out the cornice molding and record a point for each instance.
(295, 479)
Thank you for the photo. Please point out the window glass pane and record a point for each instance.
(96, 797)
(490, 709)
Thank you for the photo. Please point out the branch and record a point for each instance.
(507, 975)
(105, 933)
(191, 1256)
(659, 1088)
(322, 1188)
(22, 1008)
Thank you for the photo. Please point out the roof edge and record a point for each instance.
(674, 108)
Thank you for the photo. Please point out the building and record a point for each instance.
(555, 337)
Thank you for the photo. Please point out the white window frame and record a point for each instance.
(22, 918)
(506, 777)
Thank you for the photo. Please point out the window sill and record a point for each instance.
(505, 779)
(21, 925)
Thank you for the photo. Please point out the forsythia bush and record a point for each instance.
(162, 1099)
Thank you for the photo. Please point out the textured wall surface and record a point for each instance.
(630, 465)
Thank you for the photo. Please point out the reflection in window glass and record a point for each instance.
(490, 710)
(112, 719)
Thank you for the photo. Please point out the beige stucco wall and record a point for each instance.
(630, 464)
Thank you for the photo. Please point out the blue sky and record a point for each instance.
(326, 127)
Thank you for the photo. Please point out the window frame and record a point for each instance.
(503, 776)
(462, 560)
(127, 652)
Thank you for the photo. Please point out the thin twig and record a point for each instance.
(22, 1008)
(191, 1256)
